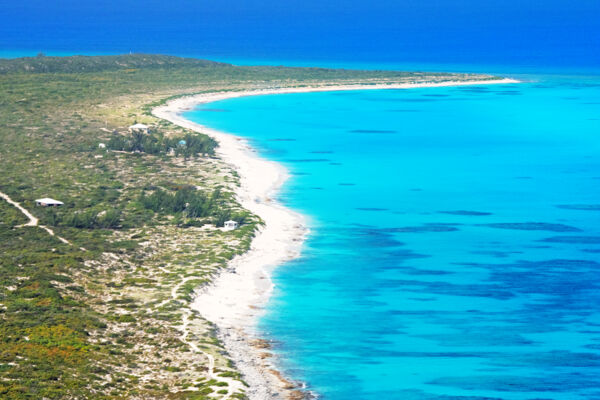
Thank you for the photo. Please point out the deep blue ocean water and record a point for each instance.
(528, 34)
(455, 238)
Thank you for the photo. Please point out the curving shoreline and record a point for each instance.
(233, 302)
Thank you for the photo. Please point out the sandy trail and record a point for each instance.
(233, 385)
(33, 221)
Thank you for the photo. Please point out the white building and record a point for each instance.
(230, 225)
(139, 128)
(48, 202)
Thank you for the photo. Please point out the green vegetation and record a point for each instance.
(78, 64)
(45, 321)
(186, 146)
(194, 203)
(101, 317)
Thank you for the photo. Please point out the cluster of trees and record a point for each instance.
(226, 215)
(190, 206)
(90, 219)
(190, 203)
(188, 146)
(193, 203)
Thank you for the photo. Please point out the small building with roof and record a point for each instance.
(139, 128)
(48, 202)
(230, 225)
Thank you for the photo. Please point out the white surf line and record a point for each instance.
(33, 221)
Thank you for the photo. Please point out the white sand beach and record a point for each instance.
(237, 297)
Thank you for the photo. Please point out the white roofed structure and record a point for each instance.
(139, 128)
(230, 225)
(48, 202)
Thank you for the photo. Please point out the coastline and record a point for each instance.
(236, 298)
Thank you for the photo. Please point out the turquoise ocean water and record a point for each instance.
(455, 238)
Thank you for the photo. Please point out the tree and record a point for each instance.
(137, 141)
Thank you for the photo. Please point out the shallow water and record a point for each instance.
(455, 246)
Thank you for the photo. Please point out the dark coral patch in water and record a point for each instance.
(416, 100)
(306, 160)
(372, 209)
(556, 358)
(466, 213)
(371, 131)
(582, 207)
(533, 226)
(496, 253)
(569, 286)
(481, 336)
(472, 89)
(573, 239)
(420, 271)
(509, 93)
(428, 228)
(550, 383)
(379, 239)
(394, 100)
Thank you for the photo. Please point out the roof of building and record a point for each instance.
(231, 222)
(48, 200)
(138, 126)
